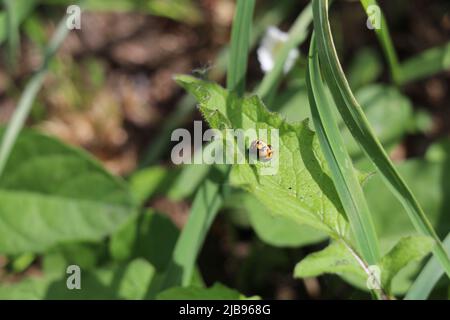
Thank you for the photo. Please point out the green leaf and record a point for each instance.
(124, 281)
(357, 123)
(274, 229)
(31, 90)
(181, 10)
(384, 38)
(301, 189)
(405, 251)
(149, 235)
(51, 193)
(146, 183)
(342, 172)
(22, 262)
(240, 44)
(207, 202)
(338, 259)
(216, 292)
(388, 111)
(425, 178)
(364, 68)
(426, 63)
(335, 259)
(21, 10)
(428, 277)
(87, 255)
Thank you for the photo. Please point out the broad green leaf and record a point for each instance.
(428, 181)
(335, 259)
(388, 111)
(124, 281)
(425, 64)
(87, 255)
(405, 251)
(301, 189)
(271, 228)
(148, 182)
(216, 292)
(149, 235)
(52, 193)
(338, 259)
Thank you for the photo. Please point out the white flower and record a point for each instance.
(270, 45)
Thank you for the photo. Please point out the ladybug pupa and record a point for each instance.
(264, 151)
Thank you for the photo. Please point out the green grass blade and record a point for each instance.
(425, 64)
(297, 34)
(240, 44)
(343, 173)
(30, 92)
(428, 277)
(21, 8)
(207, 202)
(359, 126)
(386, 42)
(183, 109)
(12, 27)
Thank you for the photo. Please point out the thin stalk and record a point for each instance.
(385, 40)
(297, 34)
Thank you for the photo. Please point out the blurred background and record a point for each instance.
(110, 91)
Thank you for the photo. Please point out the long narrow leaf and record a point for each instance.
(428, 277)
(240, 43)
(12, 27)
(426, 63)
(359, 126)
(207, 202)
(30, 92)
(297, 34)
(343, 173)
(385, 39)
